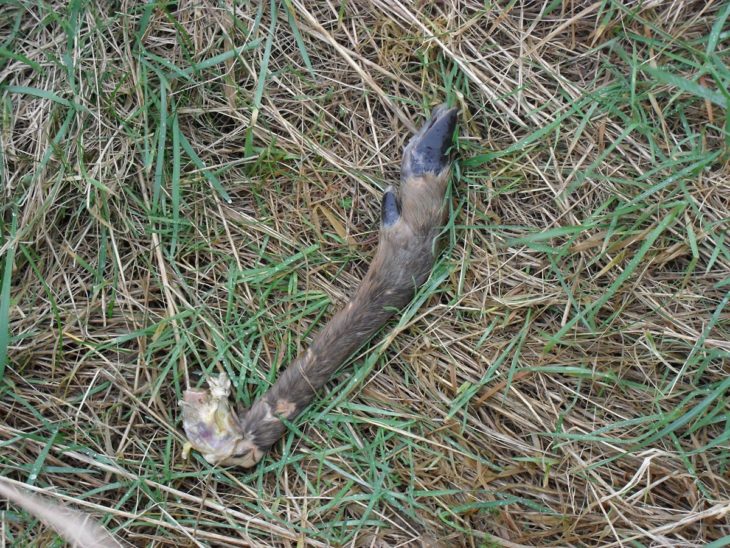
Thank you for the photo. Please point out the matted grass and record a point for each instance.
(190, 187)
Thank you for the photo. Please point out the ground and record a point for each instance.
(190, 187)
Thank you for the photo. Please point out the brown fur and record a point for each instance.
(402, 262)
(410, 223)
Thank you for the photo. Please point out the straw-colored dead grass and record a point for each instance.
(564, 380)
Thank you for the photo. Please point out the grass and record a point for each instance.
(192, 187)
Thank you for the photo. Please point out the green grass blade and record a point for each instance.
(717, 28)
(688, 86)
(5, 296)
(175, 182)
(262, 77)
(198, 162)
(291, 17)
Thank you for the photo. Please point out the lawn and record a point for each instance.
(194, 187)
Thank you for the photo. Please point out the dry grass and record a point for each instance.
(197, 187)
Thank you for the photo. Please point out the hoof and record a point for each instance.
(427, 150)
(389, 208)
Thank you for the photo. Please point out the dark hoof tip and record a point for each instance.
(427, 150)
(389, 208)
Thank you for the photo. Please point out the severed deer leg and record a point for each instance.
(411, 218)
